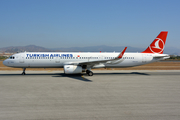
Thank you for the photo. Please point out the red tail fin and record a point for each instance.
(157, 46)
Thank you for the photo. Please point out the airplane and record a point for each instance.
(78, 62)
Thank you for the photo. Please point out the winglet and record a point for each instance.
(122, 53)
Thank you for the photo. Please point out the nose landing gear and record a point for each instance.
(23, 73)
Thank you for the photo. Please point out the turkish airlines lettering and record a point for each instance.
(75, 63)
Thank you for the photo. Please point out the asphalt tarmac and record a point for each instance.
(108, 95)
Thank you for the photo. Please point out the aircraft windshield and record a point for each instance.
(11, 57)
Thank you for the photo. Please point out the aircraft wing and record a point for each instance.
(99, 61)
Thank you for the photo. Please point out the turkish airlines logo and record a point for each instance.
(157, 46)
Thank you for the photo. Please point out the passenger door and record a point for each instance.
(21, 59)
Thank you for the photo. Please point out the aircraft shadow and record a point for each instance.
(74, 76)
(80, 77)
(29, 74)
(132, 73)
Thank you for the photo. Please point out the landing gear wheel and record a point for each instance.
(87, 71)
(90, 73)
(23, 73)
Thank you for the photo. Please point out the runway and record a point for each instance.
(108, 95)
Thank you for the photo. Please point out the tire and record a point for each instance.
(87, 71)
(90, 73)
(23, 73)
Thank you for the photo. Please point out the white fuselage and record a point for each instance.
(59, 59)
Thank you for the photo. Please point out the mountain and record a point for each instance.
(103, 48)
(29, 48)
(172, 51)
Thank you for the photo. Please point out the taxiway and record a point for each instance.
(108, 95)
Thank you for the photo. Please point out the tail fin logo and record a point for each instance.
(157, 46)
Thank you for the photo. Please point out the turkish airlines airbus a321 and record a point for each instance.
(75, 62)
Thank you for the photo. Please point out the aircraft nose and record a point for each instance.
(5, 62)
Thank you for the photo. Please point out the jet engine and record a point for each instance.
(72, 69)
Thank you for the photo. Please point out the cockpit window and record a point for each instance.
(11, 57)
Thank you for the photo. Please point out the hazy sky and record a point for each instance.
(75, 23)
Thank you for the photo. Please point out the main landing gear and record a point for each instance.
(90, 73)
(23, 73)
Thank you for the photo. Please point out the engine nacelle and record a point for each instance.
(72, 69)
